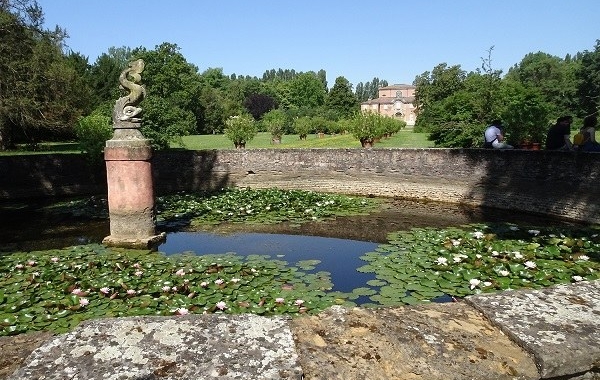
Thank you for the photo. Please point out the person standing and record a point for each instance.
(559, 135)
(493, 137)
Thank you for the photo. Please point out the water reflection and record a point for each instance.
(340, 257)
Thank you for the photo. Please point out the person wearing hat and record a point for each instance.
(493, 137)
(559, 135)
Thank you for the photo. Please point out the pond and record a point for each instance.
(337, 243)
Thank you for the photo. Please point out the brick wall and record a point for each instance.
(554, 183)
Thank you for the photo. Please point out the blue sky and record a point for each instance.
(392, 40)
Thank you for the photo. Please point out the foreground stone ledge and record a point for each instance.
(559, 325)
(245, 347)
(449, 341)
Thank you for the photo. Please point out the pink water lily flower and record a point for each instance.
(221, 305)
(105, 290)
(84, 302)
(279, 300)
(131, 292)
(77, 292)
(299, 302)
(219, 281)
(182, 311)
(180, 272)
(54, 259)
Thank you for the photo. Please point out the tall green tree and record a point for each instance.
(341, 99)
(304, 91)
(39, 88)
(170, 78)
(588, 77)
(551, 76)
(104, 74)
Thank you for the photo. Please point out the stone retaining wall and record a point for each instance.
(562, 184)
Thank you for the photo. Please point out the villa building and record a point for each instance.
(395, 101)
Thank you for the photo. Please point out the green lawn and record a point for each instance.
(403, 139)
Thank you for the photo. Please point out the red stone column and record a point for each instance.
(130, 194)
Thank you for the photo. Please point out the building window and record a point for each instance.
(398, 94)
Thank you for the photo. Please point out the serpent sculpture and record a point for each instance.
(126, 109)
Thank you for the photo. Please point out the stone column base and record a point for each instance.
(150, 242)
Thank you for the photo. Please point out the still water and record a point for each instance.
(340, 257)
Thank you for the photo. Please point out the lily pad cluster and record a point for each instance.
(232, 205)
(243, 205)
(429, 264)
(55, 290)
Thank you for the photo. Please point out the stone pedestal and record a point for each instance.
(130, 193)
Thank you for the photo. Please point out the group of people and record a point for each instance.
(558, 137)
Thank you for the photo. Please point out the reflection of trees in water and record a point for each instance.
(399, 215)
(31, 230)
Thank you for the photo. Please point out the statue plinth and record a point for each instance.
(130, 194)
(129, 171)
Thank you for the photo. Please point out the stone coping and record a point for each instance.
(551, 333)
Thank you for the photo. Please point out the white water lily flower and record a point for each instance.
(513, 228)
(457, 259)
(583, 258)
(487, 283)
(530, 264)
(495, 253)
(441, 261)
(504, 273)
(577, 278)
(518, 255)
(455, 242)
(534, 232)
(478, 235)
(478, 256)
(474, 283)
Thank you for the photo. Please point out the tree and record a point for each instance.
(588, 76)
(240, 129)
(341, 99)
(40, 91)
(435, 86)
(275, 121)
(104, 74)
(551, 76)
(174, 84)
(259, 104)
(526, 113)
(305, 90)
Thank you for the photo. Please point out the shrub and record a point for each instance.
(92, 132)
(366, 126)
(303, 126)
(274, 122)
(240, 130)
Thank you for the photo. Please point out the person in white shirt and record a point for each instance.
(494, 138)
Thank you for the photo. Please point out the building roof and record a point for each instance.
(399, 87)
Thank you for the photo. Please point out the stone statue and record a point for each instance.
(126, 113)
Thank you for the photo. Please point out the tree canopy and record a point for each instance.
(45, 90)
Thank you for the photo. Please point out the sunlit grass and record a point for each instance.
(403, 139)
